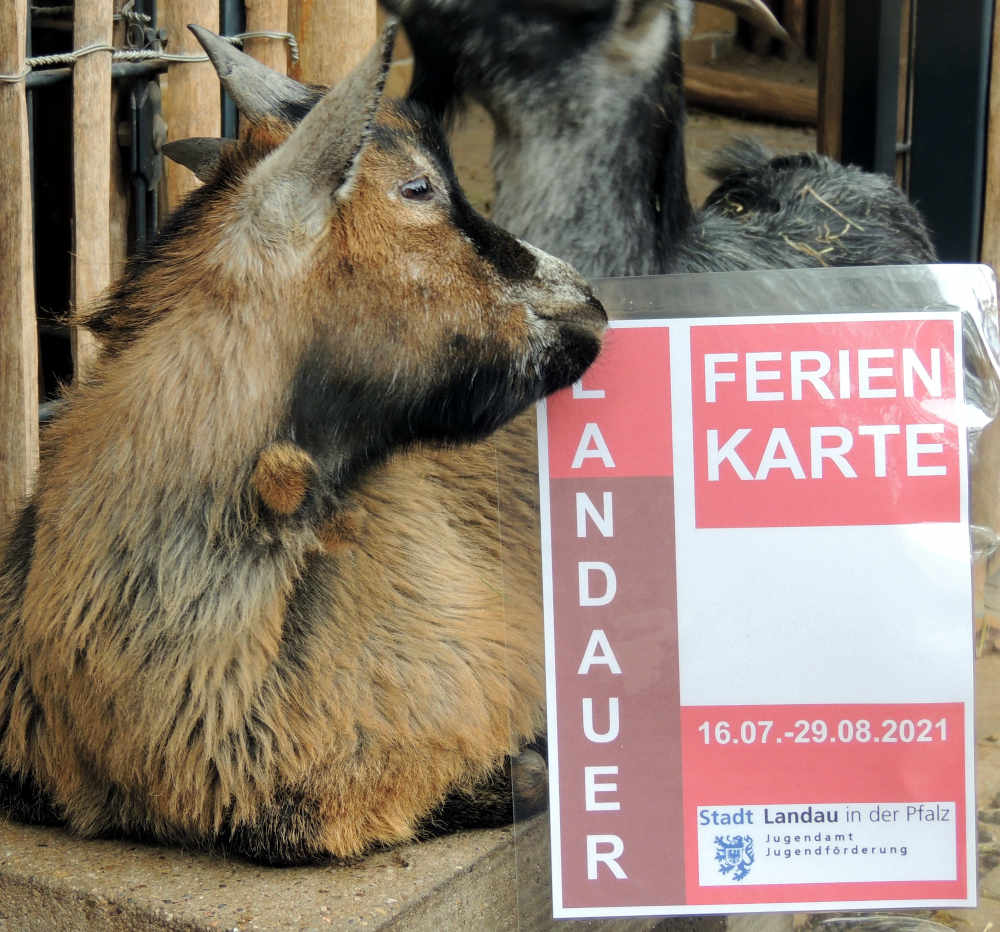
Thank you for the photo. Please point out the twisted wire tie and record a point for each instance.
(68, 58)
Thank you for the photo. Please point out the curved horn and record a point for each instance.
(257, 90)
(756, 12)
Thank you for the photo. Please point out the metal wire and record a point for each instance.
(68, 58)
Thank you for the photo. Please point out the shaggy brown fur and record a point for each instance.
(258, 599)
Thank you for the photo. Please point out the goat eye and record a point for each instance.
(419, 189)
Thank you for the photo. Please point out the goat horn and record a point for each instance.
(756, 12)
(325, 146)
(257, 90)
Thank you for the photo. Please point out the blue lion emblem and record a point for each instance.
(734, 853)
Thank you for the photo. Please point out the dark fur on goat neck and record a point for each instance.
(589, 146)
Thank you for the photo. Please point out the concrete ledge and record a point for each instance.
(470, 881)
(50, 881)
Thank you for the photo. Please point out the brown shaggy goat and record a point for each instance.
(257, 599)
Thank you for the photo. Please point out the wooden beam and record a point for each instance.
(118, 209)
(92, 23)
(333, 37)
(990, 248)
(904, 95)
(830, 63)
(18, 329)
(985, 495)
(192, 99)
(267, 15)
(795, 18)
(716, 89)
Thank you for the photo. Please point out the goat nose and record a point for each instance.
(590, 312)
(588, 317)
(597, 307)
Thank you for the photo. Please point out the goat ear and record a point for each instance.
(257, 91)
(325, 146)
(200, 154)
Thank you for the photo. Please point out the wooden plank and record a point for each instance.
(119, 190)
(267, 15)
(990, 247)
(904, 94)
(985, 498)
(830, 63)
(761, 41)
(92, 23)
(716, 89)
(18, 330)
(794, 17)
(333, 37)
(191, 95)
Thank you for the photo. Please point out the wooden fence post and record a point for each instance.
(18, 329)
(990, 248)
(191, 97)
(92, 24)
(795, 18)
(830, 65)
(267, 15)
(985, 492)
(333, 37)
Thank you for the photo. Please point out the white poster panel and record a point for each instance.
(758, 605)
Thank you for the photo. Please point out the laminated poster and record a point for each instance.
(758, 618)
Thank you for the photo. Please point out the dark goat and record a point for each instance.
(253, 601)
(588, 105)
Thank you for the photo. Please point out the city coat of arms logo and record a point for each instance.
(734, 854)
